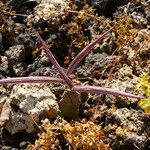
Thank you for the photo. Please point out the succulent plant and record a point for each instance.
(65, 75)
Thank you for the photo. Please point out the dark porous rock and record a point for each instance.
(45, 71)
(20, 5)
(138, 11)
(16, 54)
(93, 62)
(16, 141)
(11, 31)
(16, 58)
(128, 128)
(1, 43)
(95, 28)
(9, 35)
(41, 66)
(28, 40)
(106, 7)
(19, 28)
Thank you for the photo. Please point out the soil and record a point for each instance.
(67, 26)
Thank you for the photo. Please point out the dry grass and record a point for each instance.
(62, 135)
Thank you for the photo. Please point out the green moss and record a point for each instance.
(144, 86)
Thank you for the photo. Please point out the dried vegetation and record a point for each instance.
(82, 27)
(76, 135)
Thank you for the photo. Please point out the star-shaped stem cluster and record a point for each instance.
(65, 75)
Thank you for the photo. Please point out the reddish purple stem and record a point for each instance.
(45, 79)
(35, 79)
(84, 52)
(66, 80)
(55, 63)
(103, 90)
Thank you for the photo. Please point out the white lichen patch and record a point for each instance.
(51, 11)
(30, 103)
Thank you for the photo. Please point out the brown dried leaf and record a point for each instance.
(69, 105)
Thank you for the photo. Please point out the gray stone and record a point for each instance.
(30, 103)
(51, 11)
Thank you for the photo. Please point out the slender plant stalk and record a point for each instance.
(84, 52)
(55, 63)
(65, 79)
(104, 90)
(30, 79)
(88, 89)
